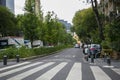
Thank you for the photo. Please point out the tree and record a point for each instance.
(7, 22)
(112, 34)
(30, 27)
(34, 6)
(85, 25)
(54, 31)
(30, 6)
(97, 16)
(51, 28)
(100, 26)
(30, 23)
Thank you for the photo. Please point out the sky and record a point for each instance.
(64, 9)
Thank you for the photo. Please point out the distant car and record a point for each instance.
(96, 48)
(77, 46)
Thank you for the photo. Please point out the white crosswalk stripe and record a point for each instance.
(50, 74)
(27, 73)
(99, 74)
(8, 67)
(116, 70)
(75, 72)
(18, 69)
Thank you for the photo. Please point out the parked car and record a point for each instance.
(77, 46)
(95, 49)
(96, 46)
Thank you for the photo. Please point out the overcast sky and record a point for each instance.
(65, 9)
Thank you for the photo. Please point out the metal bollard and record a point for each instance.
(87, 57)
(108, 61)
(5, 60)
(105, 57)
(17, 58)
(92, 58)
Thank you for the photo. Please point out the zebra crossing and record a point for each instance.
(101, 75)
(75, 73)
(117, 70)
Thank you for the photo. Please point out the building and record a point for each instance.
(67, 25)
(110, 8)
(9, 4)
(2, 2)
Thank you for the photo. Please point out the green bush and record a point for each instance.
(105, 45)
(10, 52)
(24, 52)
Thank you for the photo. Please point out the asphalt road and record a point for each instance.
(68, 64)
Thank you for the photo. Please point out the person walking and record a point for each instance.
(87, 53)
(92, 55)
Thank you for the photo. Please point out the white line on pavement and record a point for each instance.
(99, 74)
(18, 69)
(116, 70)
(32, 71)
(51, 73)
(8, 67)
(75, 73)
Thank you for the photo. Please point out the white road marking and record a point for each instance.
(32, 71)
(106, 66)
(51, 73)
(8, 67)
(65, 56)
(56, 56)
(73, 56)
(116, 70)
(99, 74)
(18, 69)
(75, 73)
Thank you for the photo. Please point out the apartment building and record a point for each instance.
(110, 8)
(8, 3)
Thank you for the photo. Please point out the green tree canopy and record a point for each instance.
(29, 25)
(112, 34)
(85, 25)
(54, 31)
(7, 22)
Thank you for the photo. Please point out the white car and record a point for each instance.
(77, 46)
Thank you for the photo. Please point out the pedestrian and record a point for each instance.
(92, 55)
(87, 52)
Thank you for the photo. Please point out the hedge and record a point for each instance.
(24, 52)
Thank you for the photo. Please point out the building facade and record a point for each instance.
(3, 2)
(9, 4)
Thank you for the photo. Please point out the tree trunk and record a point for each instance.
(99, 22)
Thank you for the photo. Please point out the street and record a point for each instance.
(68, 64)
